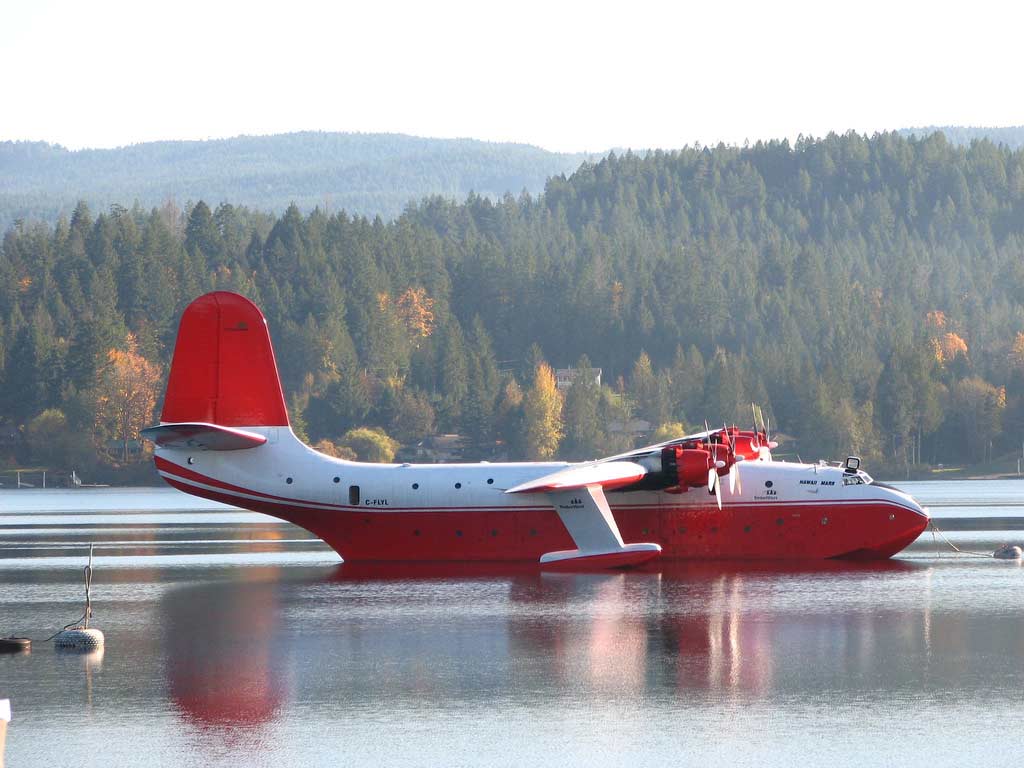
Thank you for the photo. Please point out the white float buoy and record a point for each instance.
(78, 639)
(1008, 552)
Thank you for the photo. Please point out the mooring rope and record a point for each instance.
(83, 621)
(954, 547)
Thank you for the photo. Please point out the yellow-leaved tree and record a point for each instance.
(125, 395)
(543, 416)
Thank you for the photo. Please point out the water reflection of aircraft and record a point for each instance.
(366, 636)
(688, 626)
(219, 638)
(225, 435)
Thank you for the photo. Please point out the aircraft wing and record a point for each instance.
(649, 449)
(603, 474)
(200, 436)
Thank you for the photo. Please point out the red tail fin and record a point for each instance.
(223, 371)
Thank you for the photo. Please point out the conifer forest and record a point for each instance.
(867, 292)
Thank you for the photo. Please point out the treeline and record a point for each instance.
(868, 292)
(364, 174)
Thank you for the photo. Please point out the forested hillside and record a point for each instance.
(364, 174)
(868, 292)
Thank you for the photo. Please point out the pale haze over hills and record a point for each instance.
(363, 174)
(1010, 136)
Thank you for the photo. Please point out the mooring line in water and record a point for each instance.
(78, 635)
(954, 547)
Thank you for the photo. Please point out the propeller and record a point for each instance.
(762, 434)
(730, 446)
(714, 484)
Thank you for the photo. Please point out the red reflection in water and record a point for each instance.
(219, 645)
(724, 628)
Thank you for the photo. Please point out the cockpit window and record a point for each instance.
(859, 478)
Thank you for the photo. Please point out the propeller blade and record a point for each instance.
(732, 480)
(718, 492)
(739, 479)
(712, 479)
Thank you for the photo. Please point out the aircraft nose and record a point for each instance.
(914, 504)
(903, 499)
(906, 520)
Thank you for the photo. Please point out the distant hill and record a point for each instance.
(1012, 136)
(368, 174)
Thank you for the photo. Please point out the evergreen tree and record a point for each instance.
(585, 436)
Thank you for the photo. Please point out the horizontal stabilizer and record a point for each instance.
(608, 475)
(202, 437)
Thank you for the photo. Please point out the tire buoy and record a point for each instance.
(14, 644)
(1008, 552)
(79, 639)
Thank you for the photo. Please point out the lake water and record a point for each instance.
(233, 639)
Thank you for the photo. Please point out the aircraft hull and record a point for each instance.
(688, 527)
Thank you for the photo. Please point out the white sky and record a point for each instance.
(561, 75)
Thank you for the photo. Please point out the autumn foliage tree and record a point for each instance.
(124, 396)
(543, 416)
(370, 444)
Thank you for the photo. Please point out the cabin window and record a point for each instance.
(353, 494)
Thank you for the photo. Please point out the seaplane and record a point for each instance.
(224, 434)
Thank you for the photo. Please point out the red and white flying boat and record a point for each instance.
(224, 435)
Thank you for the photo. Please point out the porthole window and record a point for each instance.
(768, 483)
(288, 480)
(458, 485)
(337, 479)
(490, 481)
(415, 486)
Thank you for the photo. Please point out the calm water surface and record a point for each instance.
(232, 639)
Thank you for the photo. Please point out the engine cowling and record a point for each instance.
(747, 444)
(688, 466)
